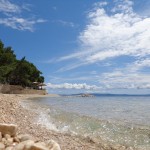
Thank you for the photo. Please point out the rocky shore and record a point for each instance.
(9, 140)
(34, 136)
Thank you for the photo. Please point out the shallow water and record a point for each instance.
(118, 119)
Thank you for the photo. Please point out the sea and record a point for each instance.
(123, 120)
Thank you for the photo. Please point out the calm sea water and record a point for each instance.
(117, 119)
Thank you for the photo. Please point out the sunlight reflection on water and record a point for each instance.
(123, 120)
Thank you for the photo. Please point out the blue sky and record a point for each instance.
(82, 46)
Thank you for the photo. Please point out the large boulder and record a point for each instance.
(8, 129)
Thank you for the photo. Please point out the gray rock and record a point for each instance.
(8, 129)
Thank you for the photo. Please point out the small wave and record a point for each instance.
(45, 121)
(109, 131)
(112, 132)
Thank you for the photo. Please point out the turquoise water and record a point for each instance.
(118, 119)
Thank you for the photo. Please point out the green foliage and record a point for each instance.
(17, 72)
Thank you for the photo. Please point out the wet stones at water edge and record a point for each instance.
(9, 140)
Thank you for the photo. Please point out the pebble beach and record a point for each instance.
(12, 112)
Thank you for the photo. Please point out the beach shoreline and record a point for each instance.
(12, 112)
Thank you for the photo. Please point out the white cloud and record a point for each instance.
(66, 23)
(119, 32)
(27, 7)
(110, 35)
(128, 77)
(128, 80)
(12, 16)
(73, 78)
(72, 86)
(20, 23)
(140, 64)
(124, 6)
(100, 4)
(8, 7)
(70, 67)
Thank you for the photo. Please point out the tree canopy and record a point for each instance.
(17, 72)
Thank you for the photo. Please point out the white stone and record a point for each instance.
(7, 136)
(9, 141)
(22, 145)
(9, 148)
(37, 146)
(2, 146)
(52, 145)
(24, 137)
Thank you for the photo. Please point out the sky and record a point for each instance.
(89, 46)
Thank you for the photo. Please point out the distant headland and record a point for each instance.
(101, 94)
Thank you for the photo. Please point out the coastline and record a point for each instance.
(13, 112)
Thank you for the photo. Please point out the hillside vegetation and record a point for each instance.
(17, 72)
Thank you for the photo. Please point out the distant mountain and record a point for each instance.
(108, 94)
(103, 94)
